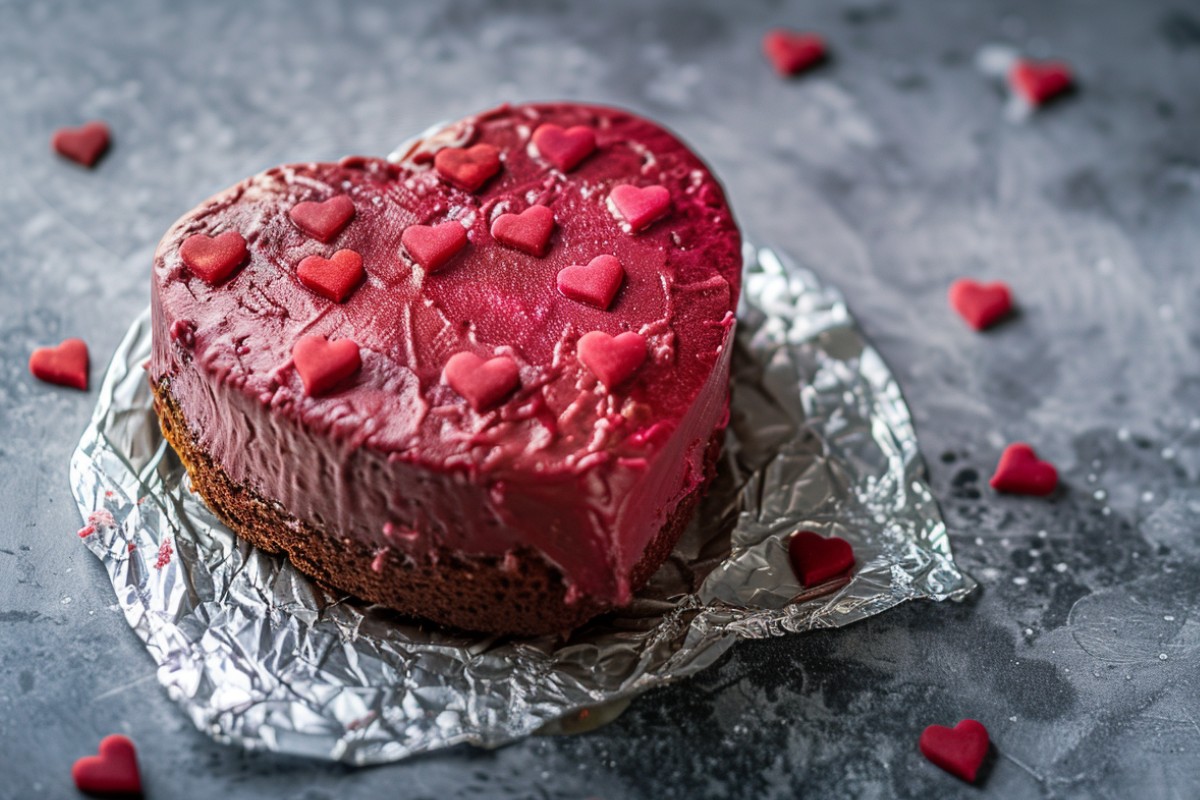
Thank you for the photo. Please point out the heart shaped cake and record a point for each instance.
(484, 384)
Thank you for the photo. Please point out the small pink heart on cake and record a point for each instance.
(595, 283)
(324, 364)
(333, 278)
(212, 259)
(64, 365)
(816, 559)
(467, 168)
(612, 359)
(83, 145)
(432, 246)
(112, 772)
(528, 231)
(482, 383)
(959, 750)
(1039, 82)
(1020, 471)
(324, 220)
(982, 305)
(792, 53)
(639, 206)
(565, 149)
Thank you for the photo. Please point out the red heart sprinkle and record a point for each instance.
(980, 304)
(334, 278)
(83, 145)
(323, 364)
(467, 168)
(791, 52)
(528, 231)
(1040, 81)
(596, 283)
(815, 558)
(65, 365)
(482, 383)
(639, 206)
(612, 359)
(213, 259)
(959, 750)
(325, 220)
(432, 246)
(564, 148)
(113, 772)
(1020, 472)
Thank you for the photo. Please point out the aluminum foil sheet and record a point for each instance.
(257, 654)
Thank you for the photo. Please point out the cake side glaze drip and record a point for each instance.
(564, 465)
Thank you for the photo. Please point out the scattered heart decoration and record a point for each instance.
(791, 53)
(982, 305)
(960, 750)
(1020, 471)
(815, 559)
(113, 771)
(639, 206)
(333, 278)
(595, 283)
(432, 246)
(565, 149)
(65, 364)
(213, 259)
(324, 220)
(467, 168)
(528, 231)
(324, 364)
(482, 383)
(83, 145)
(1039, 82)
(612, 359)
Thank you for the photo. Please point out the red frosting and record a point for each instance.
(412, 454)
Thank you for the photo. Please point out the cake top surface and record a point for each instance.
(577, 320)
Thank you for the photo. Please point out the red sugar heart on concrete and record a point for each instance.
(1039, 82)
(1021, 472)
(467, 168)
(815, 558)
(334, 278)
(612, 359)
(432, 246)
(212, 259)
(639, 206)
(83, 145)
(959, 750)
(595, 283)
(792, 53)
(325, 220)
(323, 364)
(65, 365)
(482, 383)
(113, 771)
(980, 304)
(528, 231)
(564, 148)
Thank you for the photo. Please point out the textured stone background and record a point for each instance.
(891, 172)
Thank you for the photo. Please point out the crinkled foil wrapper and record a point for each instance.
(256, 653)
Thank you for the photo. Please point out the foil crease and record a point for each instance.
(259, 655)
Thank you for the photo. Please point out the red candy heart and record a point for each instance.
(1040, 81)
(980, 304)
(595, 284)
(213, 259)
(432, 246)
(564, 148)
(612, 359)
(65, 365)
(83, 145)
(334, 278)
(959, 750)
(815, 559)
(113, 772)
(1020, 472)
(791, 53)
(467, 168)
(323, 364)
(639, 206)
(528, 231)
(325, 220)
(482, 383)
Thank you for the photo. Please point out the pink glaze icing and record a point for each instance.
(393, 455)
